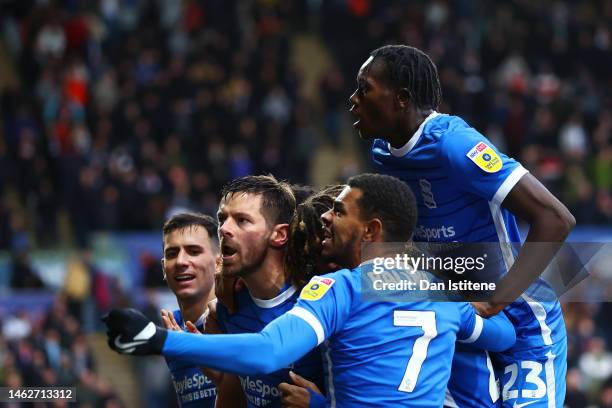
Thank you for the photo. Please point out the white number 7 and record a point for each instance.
(427, 321)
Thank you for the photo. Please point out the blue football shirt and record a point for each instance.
(192, 387)
(460, 180)
(384, 353)
(252, 316)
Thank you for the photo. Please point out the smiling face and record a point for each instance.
(243, 234)
(343, 229)
(373, 104)
(189, 263)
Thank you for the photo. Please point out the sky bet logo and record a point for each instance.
(485, 157)
(435, 233)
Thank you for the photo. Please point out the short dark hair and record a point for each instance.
(278, 201)
(192, 219)
(389, 199)
(305, 235)
(410, 68)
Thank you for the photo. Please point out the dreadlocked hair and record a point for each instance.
(410, 68)
(305, 231)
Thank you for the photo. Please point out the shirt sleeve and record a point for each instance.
(316, 400)
(325, 304)
(478, 167)
(282, 342)
(495, 334)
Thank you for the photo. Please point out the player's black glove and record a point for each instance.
(131, 332)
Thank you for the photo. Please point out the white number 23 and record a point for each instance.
(533, 377)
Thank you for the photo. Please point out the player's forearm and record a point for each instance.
(550, 222)
(545, 237)
(282, 342)
(497, 334)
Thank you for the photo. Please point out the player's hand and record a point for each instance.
(489, 309)
(131, 332)
(298, 395)
(191, 328)
(168, 321)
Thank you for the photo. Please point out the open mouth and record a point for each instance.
(355, 115)
(184, 278)
(327, 236)
(227, 251)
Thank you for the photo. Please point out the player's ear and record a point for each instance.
(163, 265)
(280, 235)
(402, 98)
(373, 231)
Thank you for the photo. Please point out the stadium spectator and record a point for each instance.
(49, 349)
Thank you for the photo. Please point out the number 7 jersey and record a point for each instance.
(388, 353)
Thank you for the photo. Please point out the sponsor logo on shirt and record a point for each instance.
(434, 233)
(259, 387)
(196, 381)
(316, 288)
(485, 157)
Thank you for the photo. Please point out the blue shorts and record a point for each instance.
(532, 373)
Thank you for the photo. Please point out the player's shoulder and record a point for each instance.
(340, 282)
(452, 313)
(340, 277)
(456, 133)
(440, 130)
(345, 276)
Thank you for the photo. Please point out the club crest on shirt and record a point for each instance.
(316, 288)
(485, 157)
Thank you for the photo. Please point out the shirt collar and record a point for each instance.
(402, 151)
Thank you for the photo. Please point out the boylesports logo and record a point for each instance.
(435, 233)
(259, 387)
(196, 381)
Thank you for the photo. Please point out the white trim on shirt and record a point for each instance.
(270, 303)
(311, 320)
(508, 184)
(478, 323)
(413, 140)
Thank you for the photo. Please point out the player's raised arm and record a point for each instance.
(282, 342)
(549, 221)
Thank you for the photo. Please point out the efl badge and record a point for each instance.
(485, 158)
(316, 288)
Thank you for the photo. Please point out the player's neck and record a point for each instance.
(191, 311)
(408, 127)
(267, 281)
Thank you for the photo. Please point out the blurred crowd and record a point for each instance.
(49, 349)
(128, 110)
(534, 77)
